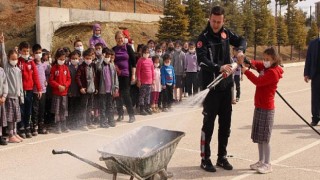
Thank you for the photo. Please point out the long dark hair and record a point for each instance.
(60, 52)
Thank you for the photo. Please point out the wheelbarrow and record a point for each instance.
(143, 153)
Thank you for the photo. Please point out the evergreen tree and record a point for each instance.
(197, 20)
(174, 24)
(234, 19)
(282, 33)
(272, 34)
(313, 32)
(300, 39)
(249, 22)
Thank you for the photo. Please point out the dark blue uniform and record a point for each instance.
(213, 51)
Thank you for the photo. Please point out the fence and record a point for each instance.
(136, 6)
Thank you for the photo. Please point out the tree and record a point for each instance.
(282, 33)
(234, 19)
(313, 32)
(272, 34)
(174, 24)
(249, 22)
(197, 20)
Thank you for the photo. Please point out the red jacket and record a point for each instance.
(59, 75)
(29, 74)
(266, 84)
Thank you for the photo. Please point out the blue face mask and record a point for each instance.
(97, 35)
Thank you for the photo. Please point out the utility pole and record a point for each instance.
(134, 6)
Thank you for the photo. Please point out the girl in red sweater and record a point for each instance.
(266, 84)
(60, 81)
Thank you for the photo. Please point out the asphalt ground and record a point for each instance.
(294, 146)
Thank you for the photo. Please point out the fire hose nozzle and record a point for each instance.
(224, 75)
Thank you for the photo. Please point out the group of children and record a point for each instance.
(77, 89)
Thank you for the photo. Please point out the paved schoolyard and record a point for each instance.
(294, 146)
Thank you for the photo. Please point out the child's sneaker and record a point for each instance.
(3, 141)
(165, 110)
(256, 165)
(265, 168)
(13, 139)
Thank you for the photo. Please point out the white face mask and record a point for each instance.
(80, 48)
(192, 50)
(74, 62)
(178, 49)
(38, 56)
(13, 62)
(145, 55)
(26, 57)
(126, 40)
(61, 62)
(99, 52)
(267, 64)
(88, 62)
(159, 54)
(166, 64)
(106, 60)
(156, 65)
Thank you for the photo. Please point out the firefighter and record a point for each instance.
(213, 52)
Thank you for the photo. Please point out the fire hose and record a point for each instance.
(234, 67)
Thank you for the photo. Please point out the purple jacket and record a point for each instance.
(94, 39)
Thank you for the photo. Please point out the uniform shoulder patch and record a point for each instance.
(199, 44)
(223, 35)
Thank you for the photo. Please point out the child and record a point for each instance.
(30, 78)
(96, 37)
(3, 95)
(168, 82)
(108, 87)
(78, 45)
(38, 105)
(237, 76)
(145, 78)
(191, 70)
(60, 81)
(156, 87)
(178, 62)
(74, 92)
(159, 54)
(266, 84)
(15, 92)
(88, 85)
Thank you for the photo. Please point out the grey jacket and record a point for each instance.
(179, 62)
(114, 77)
(14, 76)
(3, 83)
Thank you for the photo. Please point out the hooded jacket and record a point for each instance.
(266, 84)
(94, 40)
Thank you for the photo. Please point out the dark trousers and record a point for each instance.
(167, 96)
(26, 109)
(74, 111)
(237, 82)
(191, 80)
(315, 98)
(87, 107)
(216, 103)
(48, 115)
(38, 108)
(145, 95)
(106, 109)
(134, 94)
(124, 88)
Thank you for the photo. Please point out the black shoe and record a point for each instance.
(131, 119)
(207, 165)
(3, 141)
(120, 118)
(223, 162)
(112, 123)
(28, 133)
(148, 110)
(313, 123)
(142, 111)
(23, 135)
(104, 125)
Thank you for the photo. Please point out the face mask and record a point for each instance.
(26, 57)
(61, 62)
(145, 55)
(38, 56)
(267, 64)
(126, 40)
(97, 35)
(156, 65)
(88, 62)
(107, 60)
(13, 62)
(170, 48)
(99, 52)
(80, 48)
(166, 64)
(50, 60)
(159, 54)
(192, 51)
(74, 62)
(178, 49)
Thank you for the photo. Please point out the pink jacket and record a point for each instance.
(145, 71)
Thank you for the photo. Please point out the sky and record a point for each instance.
(304, 5)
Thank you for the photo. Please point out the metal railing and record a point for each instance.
(136, 6)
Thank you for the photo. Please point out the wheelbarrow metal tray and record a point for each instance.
(145, 150)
